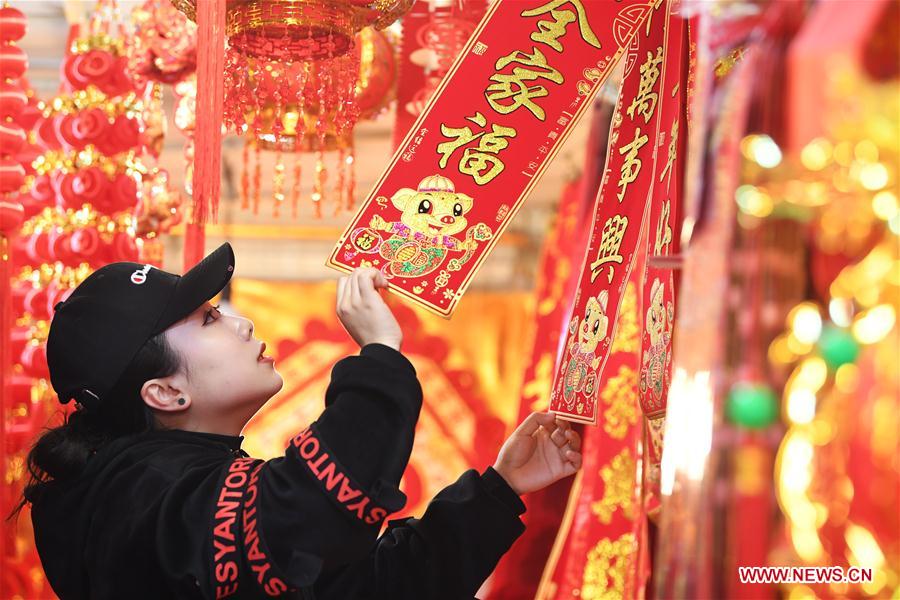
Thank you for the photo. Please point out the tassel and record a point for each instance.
(245, 175)
(295, 192)
(210, 102)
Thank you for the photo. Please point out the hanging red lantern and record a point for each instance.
(12, 24)
(12, 99)
(11, 216)
(310, 107)
(12, 175)
(303, 48)
(300, 29)
(13, 62)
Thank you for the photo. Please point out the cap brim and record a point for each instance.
(206, 279)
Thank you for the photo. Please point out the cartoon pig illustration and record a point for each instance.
(583, 362)
(431, 216)
(656, 359)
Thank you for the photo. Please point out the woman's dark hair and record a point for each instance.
(62, 453)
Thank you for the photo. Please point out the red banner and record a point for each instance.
(498, 118)
(596, 554)
(619, 216)
(518, 573)
(658, 297)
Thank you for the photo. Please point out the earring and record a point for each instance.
(181, 401)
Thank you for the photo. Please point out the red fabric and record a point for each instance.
(210, 101)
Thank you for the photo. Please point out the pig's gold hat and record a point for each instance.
(436, 183)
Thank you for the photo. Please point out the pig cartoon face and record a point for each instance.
(433, 210)
(593, 328)
(656, 314)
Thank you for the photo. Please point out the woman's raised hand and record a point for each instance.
(363, 312)
(542, 450)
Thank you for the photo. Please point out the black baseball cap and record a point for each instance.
(99, 329)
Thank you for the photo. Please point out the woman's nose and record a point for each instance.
(245, 328)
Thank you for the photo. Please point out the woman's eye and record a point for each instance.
(212, 314)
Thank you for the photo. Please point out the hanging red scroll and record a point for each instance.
(658, 281)
(499, 117)
(596, 553)
(621, 212)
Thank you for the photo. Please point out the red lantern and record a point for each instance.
(90, 185)
(86, 244)
(46, 128)
(57, 295)
(88, 126)
(122, 193)
(123, 248)
(60, 244)
(19, 336)
(12, 99)
(122, 135)
(13, 62)
(18, 291)
(34, 360)
(12, 24)
(37, 248)
(11, 216)
(12, 137)
(93, 67)
(36, 303)
(12, 175)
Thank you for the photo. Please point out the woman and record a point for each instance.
(144, 491)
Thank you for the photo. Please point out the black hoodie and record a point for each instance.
(177, 514)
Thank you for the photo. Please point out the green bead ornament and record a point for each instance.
(752, 405)
(837, 347)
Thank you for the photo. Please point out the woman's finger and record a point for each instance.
(574, 439)
(355, 295)
(559, 438)
(368, 282)
(573, 458)
(380, 280)
(533, 422)
(341, 286)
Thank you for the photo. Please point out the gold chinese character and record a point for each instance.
(482, 162)
(610, 241)
(654, 6)
(632, 165)
(550, 31)
(663, 232)
(513, 86)
(645, 100)
(673, 146)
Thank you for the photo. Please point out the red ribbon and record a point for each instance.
(208, 132)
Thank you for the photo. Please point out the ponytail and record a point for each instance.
(62, 453)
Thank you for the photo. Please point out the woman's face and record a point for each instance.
(225, 374)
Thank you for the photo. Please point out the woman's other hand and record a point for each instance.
(542, 450)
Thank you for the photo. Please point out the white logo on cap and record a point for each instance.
(140, 276)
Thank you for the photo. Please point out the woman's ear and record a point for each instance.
(166, 394)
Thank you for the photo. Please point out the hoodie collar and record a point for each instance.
(233, 442)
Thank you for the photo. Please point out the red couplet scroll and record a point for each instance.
(527, 74)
